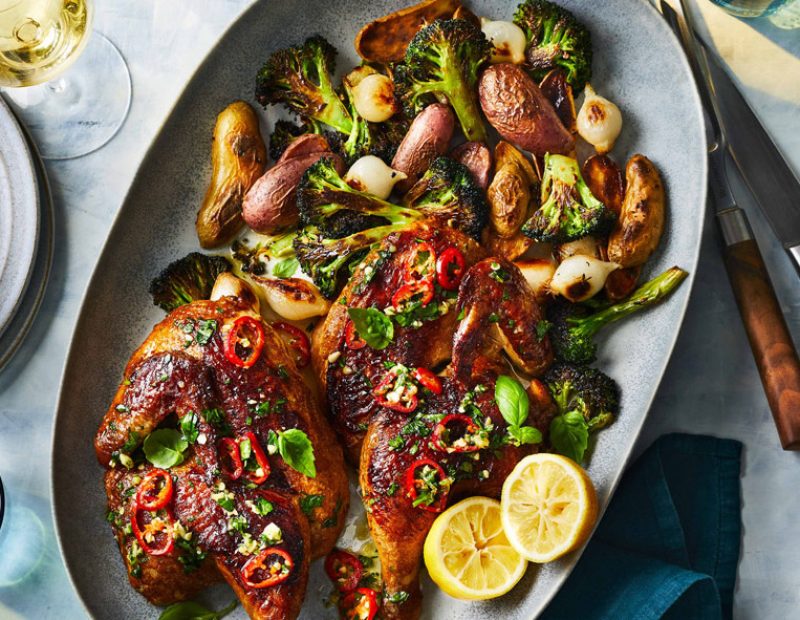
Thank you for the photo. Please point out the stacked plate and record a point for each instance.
(26, 233)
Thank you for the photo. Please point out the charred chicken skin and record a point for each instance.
(424, 440)
(257, 488)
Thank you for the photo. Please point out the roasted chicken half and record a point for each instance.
(219, 462)
(419, 415)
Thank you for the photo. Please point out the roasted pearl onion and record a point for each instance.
(507, 39)
(370, 174)
(599, 121)
(580, 277)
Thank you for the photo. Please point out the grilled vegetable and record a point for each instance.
(555, 39)
(238, 158)
(187, 279)
(443, 59)
(517, 109)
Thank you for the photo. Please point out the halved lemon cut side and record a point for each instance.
(468, 554)
(549, 507)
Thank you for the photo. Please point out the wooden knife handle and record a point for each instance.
(770, 340)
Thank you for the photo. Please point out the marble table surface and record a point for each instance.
(711, 385)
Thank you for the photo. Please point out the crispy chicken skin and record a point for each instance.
(493, 312)
(182, 368)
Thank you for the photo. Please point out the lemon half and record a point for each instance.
(549, 507)
(468, 554)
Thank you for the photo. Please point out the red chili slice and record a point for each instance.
(419, 263)
(344, 570)
(450, 268)
(229, 458)
(157, 527)
(277, 570)
(261, 462)
(428, 380)
(413, 485)
(245, 338)
(361, 604)
(298, 341)
(441, 439)
(408, 400)
(352, 338)
(419, 290)
(155, 490)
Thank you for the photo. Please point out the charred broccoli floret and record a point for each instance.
(568, 208)
(573, 329)
(330, 208)
(300, 78)
(555, 39)
(321, 256)
(443, 59)
(186, 280)
(447, 193)
(586, 399)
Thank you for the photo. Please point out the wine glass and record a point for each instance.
(71, 87)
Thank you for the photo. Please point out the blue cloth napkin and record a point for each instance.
(668, 544)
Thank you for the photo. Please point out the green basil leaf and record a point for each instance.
(296, 449)
(286, 268)
(373, 326)
(190, 610)
(524, 434)
(189, 427)
(512, 400)
(165, 447)
(569, 435)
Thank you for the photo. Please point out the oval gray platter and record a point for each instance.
(638, 64)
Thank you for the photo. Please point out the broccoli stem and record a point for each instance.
(466, 109)
(649, 294)
(283, 246)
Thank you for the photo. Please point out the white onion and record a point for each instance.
(599, 121)
(370, 174)
(580, 277)
(507, 39)
(293, 299)
(585, 246)
(228, 285)
(373, 98)
(538, 273)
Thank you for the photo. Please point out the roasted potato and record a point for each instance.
(271, 204)
(428, 137)
(621, 283)
(641, 220)
(238, 158)
(510, 191)
(385, 40)
(477, 157)
(521, 114)
(606, 181)
(558, 91)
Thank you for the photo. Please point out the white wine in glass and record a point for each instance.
(40, 38)
(70, 86)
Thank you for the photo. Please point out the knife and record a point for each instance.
(770, 340)
(767, 175)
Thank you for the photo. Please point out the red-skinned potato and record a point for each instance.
(478, 158)
(428, 137)
(555, 87)
(238, 158)
(305, 145)
(515, 106)
(271, 204)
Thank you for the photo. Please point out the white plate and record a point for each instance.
(19, 215)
